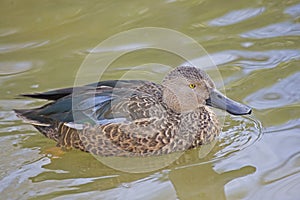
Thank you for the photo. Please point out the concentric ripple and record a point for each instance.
(238, 133)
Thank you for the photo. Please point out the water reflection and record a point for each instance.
(253, 60)
(10, 68)
(280, 94)
(294, 10)
(284, 170)
(7, 32)
(20, 176)
(203, 182)
(274, 30)
(6, 48)
(277, 167)
(236, 16)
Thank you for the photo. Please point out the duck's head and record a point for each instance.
(187, 88)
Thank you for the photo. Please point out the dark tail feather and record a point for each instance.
(51, 95)
(29, 116)
(57, 94)
(43, 125)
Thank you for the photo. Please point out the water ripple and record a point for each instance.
(120, 48)
(7, 48)
(289, 125)
(288, 168)
(236, 16)
(274, 30)
(252, 60)
(10, 68)
(283, 179)
(238, 134)
(7, 32)
(266, 59)
(280, 94)
(294, 10)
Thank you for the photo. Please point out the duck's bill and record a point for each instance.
(218, 100)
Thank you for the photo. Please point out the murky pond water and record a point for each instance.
(256, 47)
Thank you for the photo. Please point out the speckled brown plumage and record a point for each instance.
(131, 118)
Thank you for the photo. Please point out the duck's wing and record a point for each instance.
(98, 103)
(105, 85)
(106, 111)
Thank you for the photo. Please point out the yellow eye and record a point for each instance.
(192, 86)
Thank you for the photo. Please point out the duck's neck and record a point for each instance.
(169, 98)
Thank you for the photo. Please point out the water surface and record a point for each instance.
(256, 48)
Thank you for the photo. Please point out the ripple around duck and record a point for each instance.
(238, 133)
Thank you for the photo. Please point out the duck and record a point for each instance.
(134, 117)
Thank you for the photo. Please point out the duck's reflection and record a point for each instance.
(186, 178)
(202, 182)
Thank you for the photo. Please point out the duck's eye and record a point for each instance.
(192, 86)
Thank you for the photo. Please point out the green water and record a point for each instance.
(255, 45)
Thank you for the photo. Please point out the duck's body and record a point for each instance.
(132, 118)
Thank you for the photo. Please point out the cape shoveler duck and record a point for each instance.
(134, 117)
